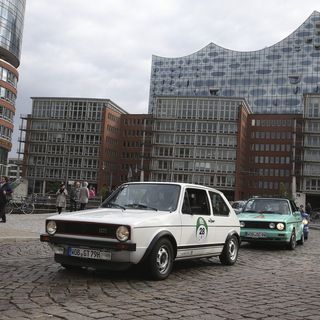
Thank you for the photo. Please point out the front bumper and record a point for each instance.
(120, 253)
(264, 235)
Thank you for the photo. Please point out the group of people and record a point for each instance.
(5, 194)
(79, 196)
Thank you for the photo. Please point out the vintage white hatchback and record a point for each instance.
(147, 223)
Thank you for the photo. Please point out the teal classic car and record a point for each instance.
(275, 220)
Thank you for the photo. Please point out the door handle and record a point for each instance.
(211, 220)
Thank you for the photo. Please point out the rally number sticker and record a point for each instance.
(201, 230)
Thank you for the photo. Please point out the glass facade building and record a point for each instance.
(272, 80)
(11, 29)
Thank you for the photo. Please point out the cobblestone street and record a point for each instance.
(266, 283)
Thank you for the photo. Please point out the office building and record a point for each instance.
(11, 28)
(64, 141)
(200, 140)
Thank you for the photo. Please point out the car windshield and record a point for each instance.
(280, 206)
(144, 196)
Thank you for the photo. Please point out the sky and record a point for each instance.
(103, 48)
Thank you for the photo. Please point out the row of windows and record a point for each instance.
(268, 185)
(60, 173)
(269, 172)
(193, 166)
(67, 110)
(113, 129)
(67, 126)
(137, 121)
(271, 147)
(113, 117)
(6, 114)
(271, 135)
(60, 149)
(206, 140)
(194, 126)
(312, 141)
(311, 169)
(5, 132)
(215, 181)
(312, 126)
(63, 162)
(73, 138)
(8, 76)
(311, 184)
(272, 122)
(135, 133)
(311, 155)
(189, 109)
(313, 109)
(271, 160)
(6, 94)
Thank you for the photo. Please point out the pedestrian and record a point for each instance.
(104, 192)
(74, 196)
(61, 201)
(92, 192)
(84, 196)
(5, 195)
(308, 208)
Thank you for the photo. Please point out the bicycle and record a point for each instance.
(23, 205)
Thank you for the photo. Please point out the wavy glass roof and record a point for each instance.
(273, 79)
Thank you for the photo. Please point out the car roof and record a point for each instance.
(186, 185)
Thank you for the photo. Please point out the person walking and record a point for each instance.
(84, 195)
(74, 196)
(5, 194)
(61, 201)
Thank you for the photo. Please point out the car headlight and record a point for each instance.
(280, 226)
(51, 227)
(272, 225)
(242, 224)
(122, 233)
(305, 221)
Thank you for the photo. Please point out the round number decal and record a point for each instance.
(202, 229)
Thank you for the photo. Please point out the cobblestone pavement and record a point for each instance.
(266, 283)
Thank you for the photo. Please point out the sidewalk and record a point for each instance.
(23, 226)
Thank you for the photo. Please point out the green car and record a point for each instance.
(274, 220)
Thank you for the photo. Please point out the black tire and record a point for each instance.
(8, 208)
(27, 208)
(230, 251)
(160, 260)
(293, 241)
(301, 241)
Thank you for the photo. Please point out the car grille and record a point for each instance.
(257, 224)
(87, 229)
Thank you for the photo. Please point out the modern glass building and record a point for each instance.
(11, 27)
(272, 80)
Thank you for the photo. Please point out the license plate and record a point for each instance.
(89, 253)
(256, 234)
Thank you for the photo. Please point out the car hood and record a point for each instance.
(130, 217)
(272, 217)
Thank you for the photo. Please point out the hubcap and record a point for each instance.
(163, 259)
(232, 250)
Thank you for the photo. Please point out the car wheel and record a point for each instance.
(230, 251)
(293, 241)
(301, 241)
(161, 259)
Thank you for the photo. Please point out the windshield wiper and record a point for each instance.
(116, 205)
(140, 206)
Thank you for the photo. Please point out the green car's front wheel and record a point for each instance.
(293, 241)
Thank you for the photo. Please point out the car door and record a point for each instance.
(197, 232)
(297, 219)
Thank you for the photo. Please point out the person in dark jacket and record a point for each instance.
(5, 194)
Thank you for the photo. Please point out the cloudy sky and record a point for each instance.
(103, 48)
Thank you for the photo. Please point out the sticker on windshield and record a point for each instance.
(202, 229)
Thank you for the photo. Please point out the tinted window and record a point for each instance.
(195, 202)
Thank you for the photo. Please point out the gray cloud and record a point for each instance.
(103, 48)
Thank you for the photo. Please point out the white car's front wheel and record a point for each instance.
(161, 259)
(230, 251)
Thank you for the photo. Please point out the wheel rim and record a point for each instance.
(163, 257)
(293, 240)
(233, 249)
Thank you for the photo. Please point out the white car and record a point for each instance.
(148, 223)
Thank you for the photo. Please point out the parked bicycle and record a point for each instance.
(22, 205)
